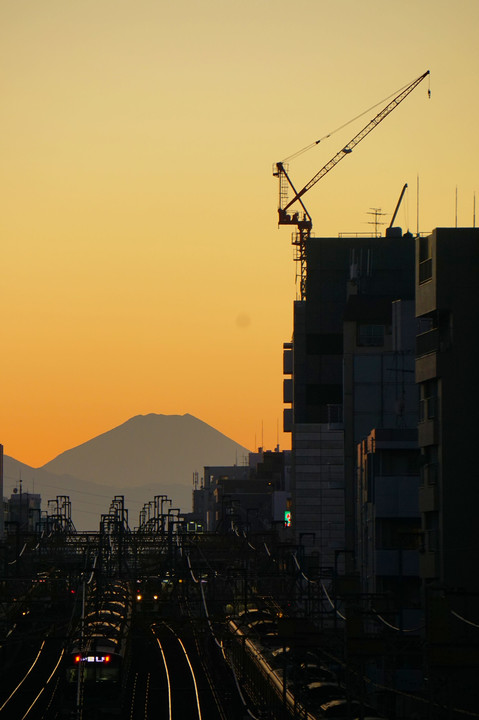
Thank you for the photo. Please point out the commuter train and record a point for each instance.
(96, 664)
(282, 682)
(262, 683)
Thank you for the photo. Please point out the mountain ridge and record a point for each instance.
(145, 456)
(133, 451)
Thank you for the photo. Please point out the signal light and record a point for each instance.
(107, 658)
(77, 658)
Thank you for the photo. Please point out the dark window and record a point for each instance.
(397, 462)
(428, 404)
(324, 394)
(431, 521)
(424, 324)
(429, 465)
(425, 271)
(371, 335)
(324, 344)
(395, 533)
(425, 249)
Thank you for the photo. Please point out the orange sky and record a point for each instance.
(142, 267)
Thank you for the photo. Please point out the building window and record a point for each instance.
(431, 522)
(425, 271)
(430, 465)
(371, 335)
(427, 334)
(324, 344)
(322, 394)
(428, 404)
(425, 259)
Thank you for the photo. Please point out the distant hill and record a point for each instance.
(147, 455)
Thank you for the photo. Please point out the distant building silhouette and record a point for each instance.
(24, 510)
(249, 497)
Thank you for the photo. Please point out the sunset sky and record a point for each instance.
(142, 266)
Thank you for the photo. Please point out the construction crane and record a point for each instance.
(302, 220)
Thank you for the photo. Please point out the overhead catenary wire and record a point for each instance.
(395, 627)
(463, 619)
(376, 614)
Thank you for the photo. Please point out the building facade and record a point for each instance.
(447, 308)
(351, 284)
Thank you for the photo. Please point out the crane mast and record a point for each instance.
(303, 220)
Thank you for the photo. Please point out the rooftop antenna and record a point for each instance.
(376, 222)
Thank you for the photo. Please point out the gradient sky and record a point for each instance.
(142, 267)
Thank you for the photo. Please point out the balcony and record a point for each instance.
(428, 498)
(287, 420)
(425, 271)
(287, 391)
(428, 432)
(429, 474)
(427, 342)
(287, 359)
(428, 408)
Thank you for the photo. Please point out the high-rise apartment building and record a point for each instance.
(447, 308)
(339, 387)
(447, 346)
(385, 346)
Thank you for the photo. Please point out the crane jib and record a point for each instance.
(304, 223)
(352, 144)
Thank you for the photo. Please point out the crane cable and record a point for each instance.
(316, 142)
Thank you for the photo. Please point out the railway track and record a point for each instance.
(167, 679)
(33, 696)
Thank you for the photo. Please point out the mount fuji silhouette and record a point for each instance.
(147, 455)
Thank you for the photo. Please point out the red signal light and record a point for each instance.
(107, 658)
(77, 658)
